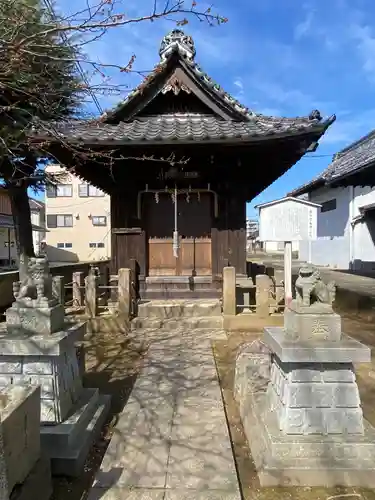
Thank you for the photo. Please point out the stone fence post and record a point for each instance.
(229, 291)
(262, 294)
(77, 284)
(124, 291)
(91, 296)
(58, 290)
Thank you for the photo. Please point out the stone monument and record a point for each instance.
(307, 428)
(38, 346)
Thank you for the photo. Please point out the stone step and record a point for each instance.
(69, 460)
(205, 322)
(167, 309)
(178, 294)
(64, 434)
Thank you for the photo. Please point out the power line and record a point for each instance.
(77, 63)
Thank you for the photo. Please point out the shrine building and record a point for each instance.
(180, 158)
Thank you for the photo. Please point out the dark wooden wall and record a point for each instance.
(128, 232)
(229, 233)
(130, 235)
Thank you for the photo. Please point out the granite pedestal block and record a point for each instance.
(71, 416)
(46, 360)
(306, 460)
(309, 325)
(33, 320)
(308, 428)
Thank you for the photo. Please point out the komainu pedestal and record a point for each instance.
(307, 428)
(38, 346)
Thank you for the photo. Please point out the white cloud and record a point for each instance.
(366, 47)
(238, 83)
(304, 28)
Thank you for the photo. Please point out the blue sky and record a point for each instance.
(277, 57)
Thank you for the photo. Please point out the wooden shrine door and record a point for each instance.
(194, 221)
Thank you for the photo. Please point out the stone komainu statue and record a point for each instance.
(311, 289)
(37, 284)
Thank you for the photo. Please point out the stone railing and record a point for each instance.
(262, 294)
(97, 290)
(7, 278)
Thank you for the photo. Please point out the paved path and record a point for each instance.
(171, 441)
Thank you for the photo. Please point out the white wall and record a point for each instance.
(340, 244)
(364, 231)
(38, 219)
(332, 247)
(276, 246)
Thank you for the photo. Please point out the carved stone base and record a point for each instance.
(314, 460)
(49, 361)
(315, 398)
(307, 326)
(34, 321)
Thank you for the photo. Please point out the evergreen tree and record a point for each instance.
(37, 82)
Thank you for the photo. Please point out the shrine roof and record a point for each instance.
(217, 117)
(181, 127)
(356, 157)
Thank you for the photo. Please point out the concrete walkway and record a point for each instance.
(171, 441)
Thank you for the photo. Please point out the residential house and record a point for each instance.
(8, 247)
(346, 219)
(78, 220)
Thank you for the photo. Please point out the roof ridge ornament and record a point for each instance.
(177, 40)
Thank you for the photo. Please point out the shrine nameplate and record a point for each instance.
(288, 219)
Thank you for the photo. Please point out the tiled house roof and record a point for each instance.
(356, 157)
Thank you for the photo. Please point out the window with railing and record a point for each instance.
(87, 190)
(59, 220)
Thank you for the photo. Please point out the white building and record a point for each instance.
(78, 220)
(38, 221)
(8, 246)
(346, 220)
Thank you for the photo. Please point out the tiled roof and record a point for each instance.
(176, 42)
(353, 158)
(180, 127)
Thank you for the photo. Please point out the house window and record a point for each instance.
(101, 245)
(329, 205)
(92, 245)
(59, 190)
(64, 245)
(85, 190)
(99, 220)
(59, 221)
(60, 245)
